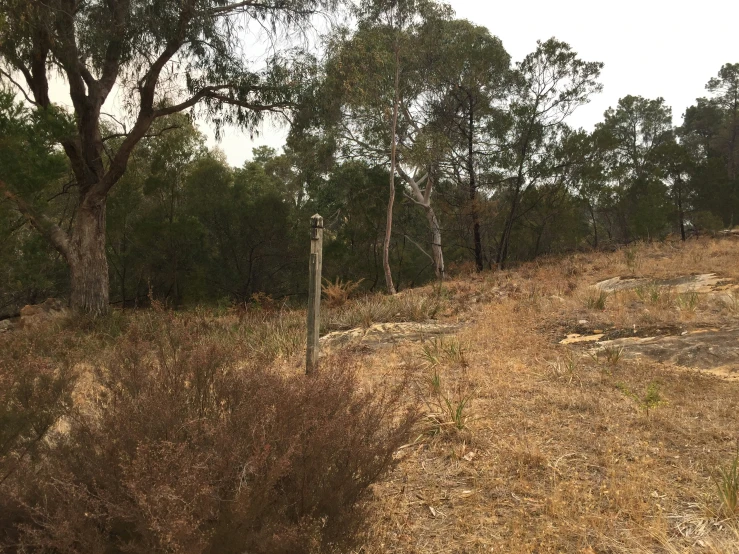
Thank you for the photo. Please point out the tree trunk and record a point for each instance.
(507, 230)
(436, 250)
(595, 226)
(681, 214)
(88, 261)
(388, 234)
(391, 199)
(473, 189)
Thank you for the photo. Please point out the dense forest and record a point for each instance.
(425, 147)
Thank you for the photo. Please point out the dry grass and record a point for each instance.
(553, 450)
(410, 305)
(187, 438)
(554, 456)
(337, 293)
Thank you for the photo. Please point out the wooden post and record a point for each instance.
(314, 292)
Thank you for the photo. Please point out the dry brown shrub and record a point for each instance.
(36, 383)
(191, 450)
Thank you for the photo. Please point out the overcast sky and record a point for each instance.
(650, 48)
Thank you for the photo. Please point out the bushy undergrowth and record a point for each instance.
(189, 445)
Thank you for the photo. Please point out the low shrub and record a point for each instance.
(337, 293)
(35, 392)
(186, 448)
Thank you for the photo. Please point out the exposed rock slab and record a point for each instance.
(706, 282)
(40, 314)
(387, 334)
(711, 350)
(576, 338)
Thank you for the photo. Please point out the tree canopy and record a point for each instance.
(423, 144)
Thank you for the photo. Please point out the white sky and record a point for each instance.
(650, 48)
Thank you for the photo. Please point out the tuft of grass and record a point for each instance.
(446, 411)
(731, 301)
(596, 300)
(651, 294)
(378, 308)
(687, 301)
(612, 354)
(566, 369)
(445, 349)
(727, 484)
(276, 337)
(338, 293)
(632, 259)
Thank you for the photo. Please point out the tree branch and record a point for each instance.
(18, 86)
(52, 232)
(148, 135)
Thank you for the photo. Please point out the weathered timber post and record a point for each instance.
(314, 292)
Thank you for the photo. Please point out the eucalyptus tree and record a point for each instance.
(725, 94)
(147, 225)
(588, 177)
(29, 270)
(161, 57)
(710, 130)
(630, 138)
(551, 83)
(470, 82)
(377, 77)
(676, 165)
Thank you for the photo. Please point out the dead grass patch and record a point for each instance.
(559, 458)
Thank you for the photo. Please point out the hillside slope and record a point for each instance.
(579, 404)
(595, 445)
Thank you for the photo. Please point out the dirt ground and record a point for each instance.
(603, 445)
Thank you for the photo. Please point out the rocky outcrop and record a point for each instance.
(41, 314)
(388, 334)
(707, 282)
(713, 351)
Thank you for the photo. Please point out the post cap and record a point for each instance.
(316, 221)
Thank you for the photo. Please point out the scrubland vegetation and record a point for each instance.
(196, 431)
(529, 330)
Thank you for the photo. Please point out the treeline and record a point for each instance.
(417, 138)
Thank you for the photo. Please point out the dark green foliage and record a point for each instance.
(30, 269)
(509, 179)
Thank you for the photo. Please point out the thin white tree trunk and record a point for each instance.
(391, 200)
(423, 199)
